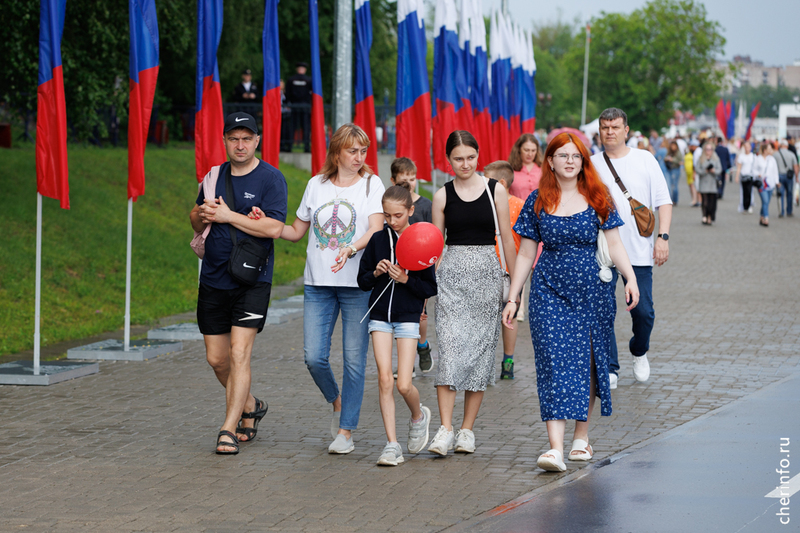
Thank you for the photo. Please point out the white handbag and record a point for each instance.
(603, 256)
(506, 276)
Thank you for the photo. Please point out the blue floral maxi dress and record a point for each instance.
(571, 311)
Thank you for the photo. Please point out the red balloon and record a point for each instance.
(419, 246)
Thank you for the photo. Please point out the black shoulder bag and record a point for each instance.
(248, 256)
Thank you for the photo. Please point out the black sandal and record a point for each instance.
(234, 444)
(257, 415)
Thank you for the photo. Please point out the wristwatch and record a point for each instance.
(353, 252)
(664, 236)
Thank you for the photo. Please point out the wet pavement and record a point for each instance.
(131, 448)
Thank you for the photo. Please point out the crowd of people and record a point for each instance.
(761, 169)
(555, 217)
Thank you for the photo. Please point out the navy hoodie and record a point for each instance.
(402, 302)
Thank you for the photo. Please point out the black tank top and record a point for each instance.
(469, 223)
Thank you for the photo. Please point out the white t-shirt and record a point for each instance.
(747, 161)
(641, 174)
(682, 145)
(338, 216)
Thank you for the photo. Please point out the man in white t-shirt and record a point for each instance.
(642, 177)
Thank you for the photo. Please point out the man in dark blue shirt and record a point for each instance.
(230, 314)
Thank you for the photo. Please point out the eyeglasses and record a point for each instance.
(566, 157)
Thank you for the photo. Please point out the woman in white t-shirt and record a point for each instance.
(768, 174)
(342, 206)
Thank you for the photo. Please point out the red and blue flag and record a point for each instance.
(478, 78)
(52, 173)
(365, 101)
(413, 98)
(501, 74)
(528, 112)
(753, 115)
(143, 65)
(209, 121)
(317, 105)
(271, 97)
(452, 109)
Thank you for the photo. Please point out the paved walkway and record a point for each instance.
(131, 448)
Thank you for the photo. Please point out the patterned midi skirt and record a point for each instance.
(468, 309)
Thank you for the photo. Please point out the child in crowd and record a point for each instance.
(397, 300)
(404, 173)
(504, 173)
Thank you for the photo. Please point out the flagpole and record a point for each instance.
(585, 74)
(37, 313)
(128, 278)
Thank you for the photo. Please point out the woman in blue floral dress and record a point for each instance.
(571, 309)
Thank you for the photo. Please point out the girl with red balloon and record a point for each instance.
(398, 267)
(470, 280)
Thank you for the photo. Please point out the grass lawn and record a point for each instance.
(83, 248)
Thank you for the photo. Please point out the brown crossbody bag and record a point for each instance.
(644, 216)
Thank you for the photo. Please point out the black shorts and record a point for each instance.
(219, 309)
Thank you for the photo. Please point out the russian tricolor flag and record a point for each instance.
(271, 97)
(452, 110)
(413, 99)
(143, 66)
(753, 115)
(528, 116)
(516, 83)
(317, 106)
(209, 147)
(501, 73)
(365, 102)
(479, 83)
(52, 173)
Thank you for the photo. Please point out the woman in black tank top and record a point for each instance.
(470, 283)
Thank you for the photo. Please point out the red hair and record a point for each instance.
(589, 183)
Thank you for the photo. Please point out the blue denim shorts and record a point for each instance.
(401, 330)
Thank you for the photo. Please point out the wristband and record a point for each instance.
(512, 302)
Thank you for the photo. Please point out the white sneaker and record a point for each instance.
(418, 432)
(641, 368)
(442, 441)
(392, 455)
(465, 441)
(341, 445)
(612, 380)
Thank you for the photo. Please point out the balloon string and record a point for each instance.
(376, 301)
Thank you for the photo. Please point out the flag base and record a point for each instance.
(114, 350)
(50, 372)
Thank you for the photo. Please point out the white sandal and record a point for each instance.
(584, 450)
(551, 464)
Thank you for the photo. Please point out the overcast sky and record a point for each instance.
(766, 31)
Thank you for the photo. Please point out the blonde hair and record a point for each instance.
(500, 170)
(344, 138)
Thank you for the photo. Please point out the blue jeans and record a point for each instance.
(766, 196)
(643, 316)
(787, 187)
(673, 177)
(321, 307)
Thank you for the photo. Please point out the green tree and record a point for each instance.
(770, 98)
(658, 57)
(552, 43)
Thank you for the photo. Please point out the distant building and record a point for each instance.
(749, 73)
